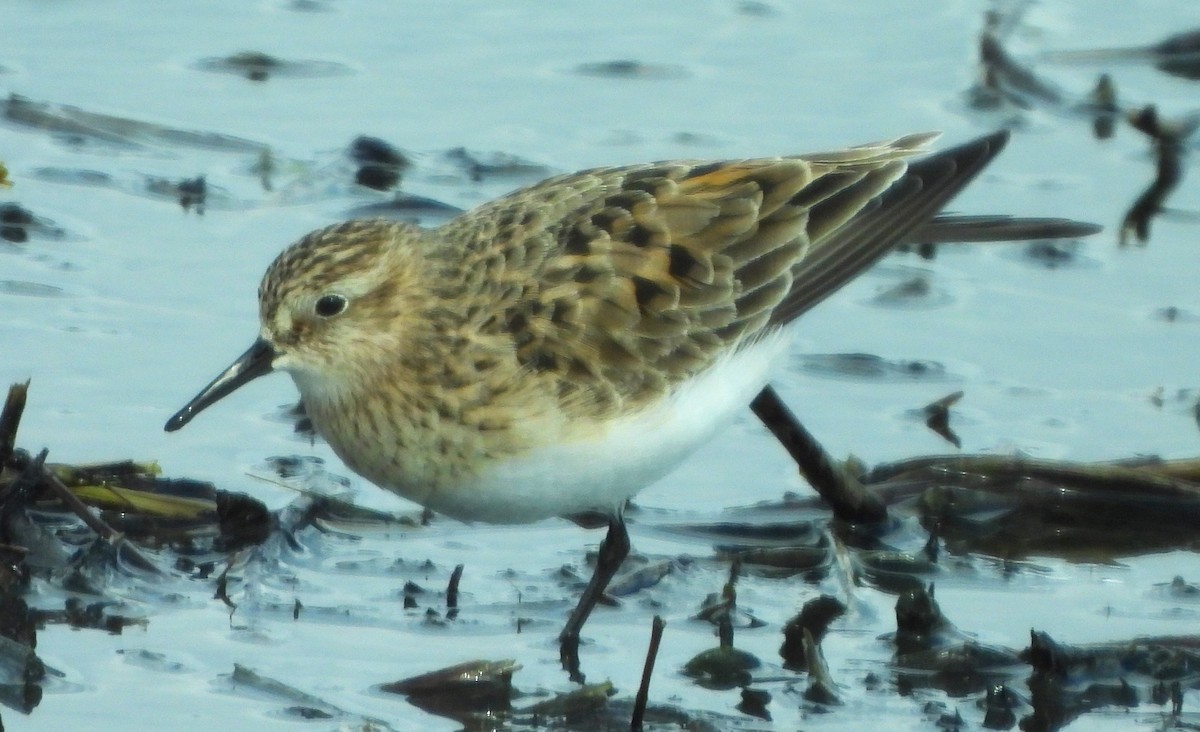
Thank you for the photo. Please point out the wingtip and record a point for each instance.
(977, 153)
(999, 138)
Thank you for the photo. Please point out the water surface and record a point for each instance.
(126, 304)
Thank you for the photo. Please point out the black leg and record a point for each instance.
(613, 551)
(847, 497)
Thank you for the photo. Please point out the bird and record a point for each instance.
(553, 351)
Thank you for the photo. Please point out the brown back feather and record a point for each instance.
(620, 283)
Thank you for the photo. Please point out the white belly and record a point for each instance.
(601, 472)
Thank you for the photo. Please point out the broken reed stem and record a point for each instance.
(639, 705)
(729, 591)
(846, 496)
(452, 588)
(222, 591)
(78, 507)
(10, 419)
(94, 522)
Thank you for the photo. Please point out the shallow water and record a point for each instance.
(133, 304)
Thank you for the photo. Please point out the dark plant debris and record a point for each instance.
(722, 667)
(630, 69)
(18, 224)
(380, 164)
(1068, 681)
(812, 621)
(495, 165)
(77, 127)
(461, 692)
(1177, 55)
(937, 417)
(1168, 140)
(259, 66)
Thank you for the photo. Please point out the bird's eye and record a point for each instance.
(331, 305)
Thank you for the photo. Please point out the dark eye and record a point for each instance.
(331, 305)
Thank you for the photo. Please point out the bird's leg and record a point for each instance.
(613, 551)
(843, 492)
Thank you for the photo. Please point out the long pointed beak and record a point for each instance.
(252, 364)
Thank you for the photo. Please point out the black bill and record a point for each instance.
(252, 364)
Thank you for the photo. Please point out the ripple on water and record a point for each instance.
(912, 293)
(258, 66)
(29, 289)
(631, 69)
(1056, 254)
(870, 367)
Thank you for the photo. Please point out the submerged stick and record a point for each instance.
(847, 497)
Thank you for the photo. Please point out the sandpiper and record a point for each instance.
(554, 351)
